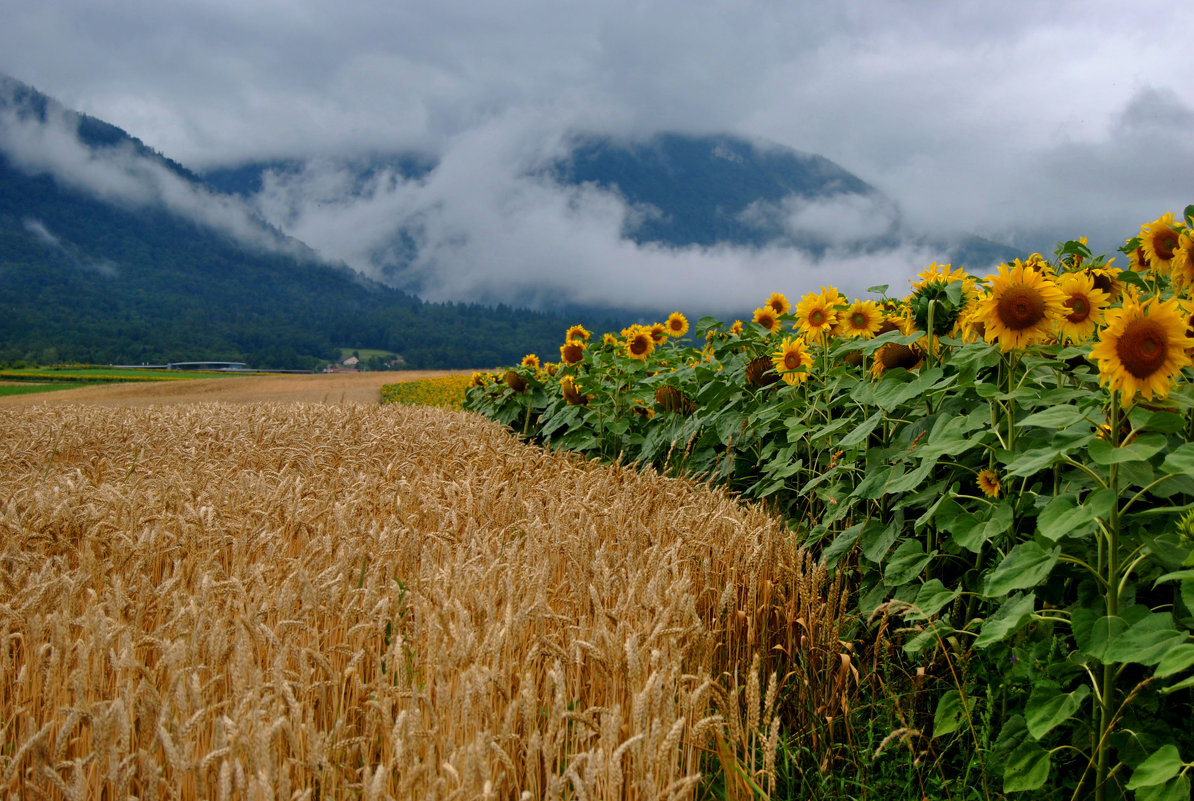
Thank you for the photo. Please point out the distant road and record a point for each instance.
(319, 388)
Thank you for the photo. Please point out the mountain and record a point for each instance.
(113, 253)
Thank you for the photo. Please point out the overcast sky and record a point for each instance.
(1019, 121)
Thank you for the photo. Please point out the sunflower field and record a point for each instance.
(1001, 466)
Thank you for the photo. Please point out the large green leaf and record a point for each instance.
(951, 713)
(906, 562)
(1032, 461)
(1146, 641)
(1175, 661)
(1026, 768)
(1163, 765)
(1176, 789)
(1048, 707)
(1014, 613)
(1180, 461)
(1026, 565)
(931, 598)
(1104, 453)
(860, 433)
(1055, 418)
(972, 533)
(1094, 632)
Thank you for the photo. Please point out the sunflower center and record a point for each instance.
(1165, 243)
(1080, 310)
(817, 317)
(791, 360)
(1142, 348)
(894, 355)
(1020, 307)
(638, 346)
(858, 320)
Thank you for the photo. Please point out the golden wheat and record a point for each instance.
(304, 600)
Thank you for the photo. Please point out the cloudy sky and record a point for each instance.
(1023, 121)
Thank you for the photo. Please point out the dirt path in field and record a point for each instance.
(319, 388)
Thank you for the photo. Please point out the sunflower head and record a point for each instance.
(792, 360)
(736, 328)
(759, 372)
(572, 395)
(658, 333)
(480, 379)
(1084, 307)
(551, 368)
(861, 319)
(677, 325)
(639, 343)
(778, 303)
(817, 313)
(943, 291)
(673, 400)
(1021, 308)
(1143, 348)
(530, 360)
(766, 317)
(577, 332)
(572, 351)
(988, 482)
(1106, 278)
(1159, 240)
(1181, 269)
(515, 381)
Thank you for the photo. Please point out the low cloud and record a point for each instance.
(104, 267)
(486, 225)
(121, 175)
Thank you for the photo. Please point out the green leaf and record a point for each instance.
(1064, 517)
(1163, 765)
(932, 634)
(1180, 461)
(1177, 660)
(1095, 635)
(950, 713)
(1048, 707)
(1056, 418)
(860, 433)
(906, 562)
(1033, 461)
(1104, 453)
(1026, 768)
(880, 290)
(876, 540)
(972, 533)
(1014, 613)
(931, 598)
(1146, 641)
(1176, 789)
(1026, 565)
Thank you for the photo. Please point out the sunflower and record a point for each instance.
(577, 332)
(1084, 307)
(659, 333)
(792, 360)
(572, 351)
(988, 482)
(609, 340)
(861, 319)
(480, 379)
(530, 360)
(639, 343)
(572, 395)
(1159, 241)
(736, 328)
(1142, 348)
(515, 381)
(816, 313)
(1182, 267)
(1106, 278)
(766, 317)
(1021, 307)
(779, 303)
(938, 274)
(677, 325)
(551, 368)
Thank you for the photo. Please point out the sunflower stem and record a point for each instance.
(1113, 588)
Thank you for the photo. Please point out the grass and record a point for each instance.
(31, 388)
(334, 601)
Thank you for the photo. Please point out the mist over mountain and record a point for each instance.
(706, 223)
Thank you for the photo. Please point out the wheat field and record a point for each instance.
(302, 600)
